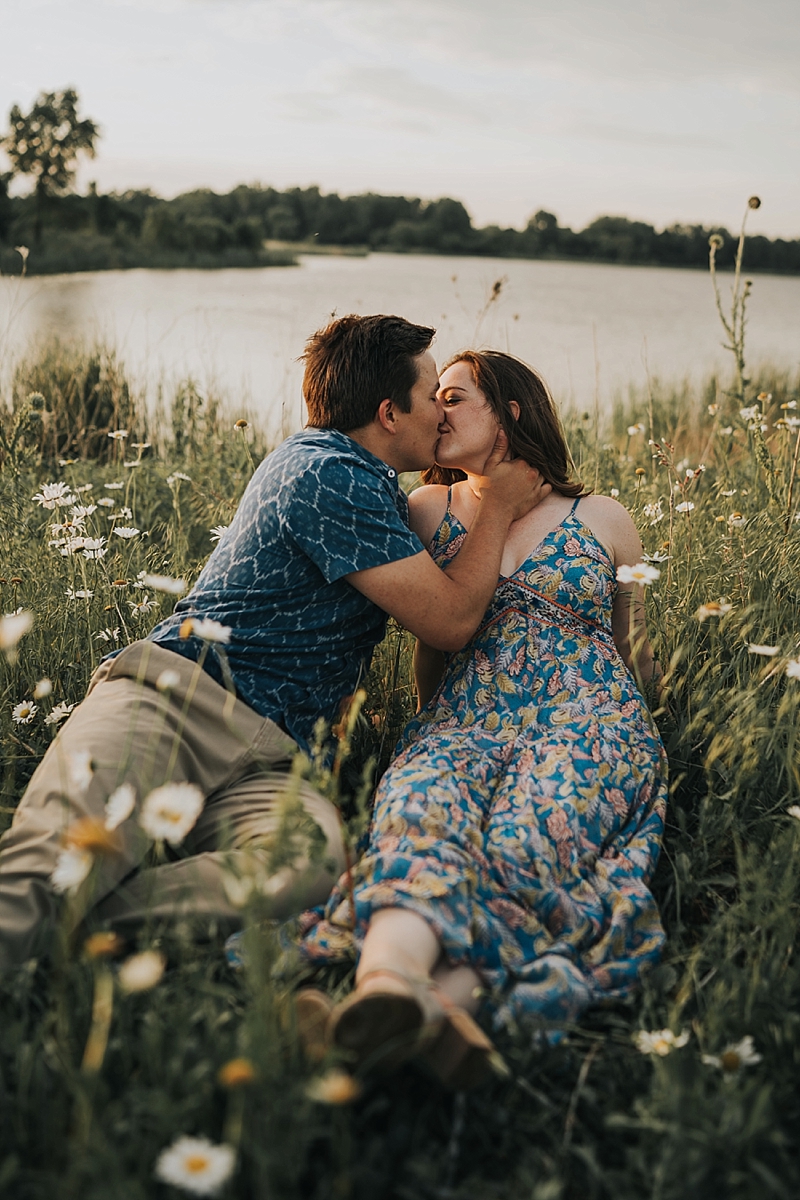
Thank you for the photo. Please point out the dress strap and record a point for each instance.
(574, 506)
(448, 510)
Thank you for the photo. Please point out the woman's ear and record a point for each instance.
(512, 404)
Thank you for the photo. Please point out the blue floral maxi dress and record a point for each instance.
(523, 813)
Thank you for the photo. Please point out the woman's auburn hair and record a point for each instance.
(536, 435)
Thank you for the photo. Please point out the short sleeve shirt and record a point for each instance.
(318, 508)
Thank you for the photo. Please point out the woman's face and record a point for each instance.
(469, 430)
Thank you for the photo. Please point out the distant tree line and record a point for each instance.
(256, 226)
(203, 228)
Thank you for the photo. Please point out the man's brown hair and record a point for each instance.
(536, 435)
(356, 362)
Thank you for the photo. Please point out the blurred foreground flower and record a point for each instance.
(167, 680)
(90, 834)
(120, 805)
(164, 583)
(103, 944)
(764, 651)
(793, 668)
(335, 1087)
(13, 627)
(43, 688)
(141, 972)
(236, 1073)
(794, 811)
(734, 1057)
(196, 1165)
(170, 811)
(72, 867)
(79, 770)
(641, 573)
(660, 1041)
(713, 608)
(208, 630)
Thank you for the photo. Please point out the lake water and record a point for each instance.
(589, 328)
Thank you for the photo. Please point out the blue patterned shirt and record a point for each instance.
(317, 508)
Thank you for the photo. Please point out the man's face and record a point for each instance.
(418, 430)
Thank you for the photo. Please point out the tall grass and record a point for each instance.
(711, 489)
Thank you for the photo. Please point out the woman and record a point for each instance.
(515, 832)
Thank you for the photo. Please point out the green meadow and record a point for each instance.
(98, 1078)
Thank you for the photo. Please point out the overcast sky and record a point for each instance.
(675, 110)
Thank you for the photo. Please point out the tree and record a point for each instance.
(45, 144)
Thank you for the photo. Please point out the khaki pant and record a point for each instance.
(198, 733)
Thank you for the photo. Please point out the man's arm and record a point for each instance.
(444, 608)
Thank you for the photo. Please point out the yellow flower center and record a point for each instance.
(196, 1163)
(731, 1061)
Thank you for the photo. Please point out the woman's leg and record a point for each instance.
(399, 940)
(459, 984)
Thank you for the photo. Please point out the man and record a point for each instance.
(278, 629)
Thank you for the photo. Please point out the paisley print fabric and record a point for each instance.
(523, 812)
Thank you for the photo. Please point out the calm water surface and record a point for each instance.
(589, 328)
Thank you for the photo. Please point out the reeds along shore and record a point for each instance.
(690, 1091)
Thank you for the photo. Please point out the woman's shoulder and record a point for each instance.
(427, 506)
(612, 525)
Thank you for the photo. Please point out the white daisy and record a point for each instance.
(140, 607)
(108, 634)
(686, 507)
(126, 531)
(55, 495)
(118, 434)
(106, 502)
(793, 668)
(658, 556)
(764, 651)
(114, 487)
(93, 547)
(660, 1041)
(58, 713)
(735, 1056)
(176, 476)
(196, 1165)
(170, 811)
(82, 594)
(24, 712)
(217, 532)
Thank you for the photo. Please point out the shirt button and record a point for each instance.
(391, 474)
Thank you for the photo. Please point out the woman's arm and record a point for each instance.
(628, 614)
(612, 525)
(428, 671)
(427, 506)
